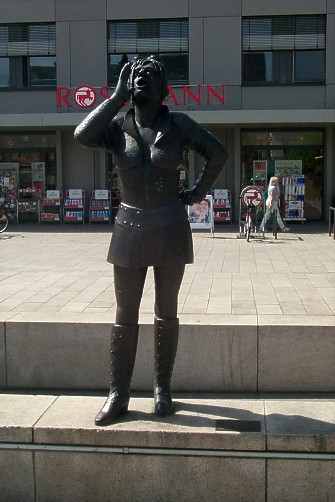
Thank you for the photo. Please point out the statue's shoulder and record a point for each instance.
(183, 121)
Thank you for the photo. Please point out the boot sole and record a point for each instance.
(109, 419)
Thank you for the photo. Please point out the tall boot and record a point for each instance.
(122, 357)
(166, 341)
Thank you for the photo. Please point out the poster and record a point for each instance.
(201, 215)
(288, 167)
(260, 168)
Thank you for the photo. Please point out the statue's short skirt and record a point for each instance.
(145, 237)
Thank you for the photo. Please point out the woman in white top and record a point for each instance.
(272, 205)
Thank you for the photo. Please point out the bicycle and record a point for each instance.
(251, 199)
(3, 217)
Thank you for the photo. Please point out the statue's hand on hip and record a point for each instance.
(122, 90)
(189, 197)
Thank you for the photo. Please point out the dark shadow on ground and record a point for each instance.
(58, 229)
(220, 229)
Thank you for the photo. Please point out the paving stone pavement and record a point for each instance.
(63, 270)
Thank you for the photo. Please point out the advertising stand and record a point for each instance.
(50, 210)
(74, 206)
(201, 215)
(100, 207)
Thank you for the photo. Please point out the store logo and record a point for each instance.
(85, 96)
(183, 95)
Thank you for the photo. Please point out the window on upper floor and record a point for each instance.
(27, 56)
(168, 39)
(284, 50)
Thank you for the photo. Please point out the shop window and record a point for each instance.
(31, 152)
(167, 39)
(288, 148)
(27, 56)
(284, 50)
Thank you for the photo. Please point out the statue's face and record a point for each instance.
(147, 83)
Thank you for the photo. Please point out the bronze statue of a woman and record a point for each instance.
(151, 226)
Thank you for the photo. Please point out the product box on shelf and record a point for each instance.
(100, 207)
(29, 210)
(50, 207)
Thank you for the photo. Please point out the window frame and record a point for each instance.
(26, 64)
(293, 82)
(163, 51)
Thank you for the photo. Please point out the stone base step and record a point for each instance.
(222, 447)
(215, 354)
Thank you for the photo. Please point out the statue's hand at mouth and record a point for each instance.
(122, 88)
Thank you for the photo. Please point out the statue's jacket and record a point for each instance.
(151, 226)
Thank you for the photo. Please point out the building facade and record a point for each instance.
(259, 73)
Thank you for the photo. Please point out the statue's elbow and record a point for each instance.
(81, 136)
(78, 135)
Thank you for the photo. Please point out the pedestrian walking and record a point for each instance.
(272, 205)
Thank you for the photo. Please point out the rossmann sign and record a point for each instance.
(86, 96)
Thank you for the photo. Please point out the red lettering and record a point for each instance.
(195, 97)
(172, 95)
(188, 94)
(212, 91)
(62, 94)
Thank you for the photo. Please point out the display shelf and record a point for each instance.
(50, 207)
(222, 206)
(28, 210)
(100, 207)
(30, 191)
(74, 206)
(8, 189)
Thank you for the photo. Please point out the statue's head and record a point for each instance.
(148, 80)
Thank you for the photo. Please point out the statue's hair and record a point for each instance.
(158, 67)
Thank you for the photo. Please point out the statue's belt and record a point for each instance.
(145, 219)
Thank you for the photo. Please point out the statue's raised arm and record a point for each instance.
(96, 130)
